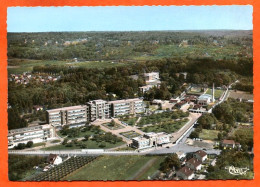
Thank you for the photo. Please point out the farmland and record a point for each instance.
(115, 168)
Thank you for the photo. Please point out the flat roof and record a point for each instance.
(67, 108)
(124, 100)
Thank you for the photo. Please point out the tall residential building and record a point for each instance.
(98, 109)
(36, 134)
(74, 116)
(125, 107)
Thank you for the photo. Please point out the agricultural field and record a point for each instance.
(59, 172)
(130, 134)
(206, 134)
(218, 93)
(18, 66)
(241, 94)
(168, 127)
(118, 168)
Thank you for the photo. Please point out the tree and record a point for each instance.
(220, 136)
(29, 144)
(171, 162)
(86, 137)
(20, 146)
(194, 134)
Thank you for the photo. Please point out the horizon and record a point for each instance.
(129, 18)
(145, 31)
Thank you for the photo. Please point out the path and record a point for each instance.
(143, 169)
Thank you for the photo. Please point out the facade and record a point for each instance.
(152, 79)
(185, 173)
(194, 164)
(200, 155)
(204, 99)
(126, 107)
(54, 159)
(230, 144)
(150, 140)
(74, 116)
(36, 134)
(98, 109)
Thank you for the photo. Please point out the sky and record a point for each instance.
(129, 18)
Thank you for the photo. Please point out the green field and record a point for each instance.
(89, 145)
(27, 65)
(168, 127)
(209, 134)
(117, 168)
(217, 94)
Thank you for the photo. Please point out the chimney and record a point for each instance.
(213, 92)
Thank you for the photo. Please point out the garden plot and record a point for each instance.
(130, 134)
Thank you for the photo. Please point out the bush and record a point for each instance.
(29, 144)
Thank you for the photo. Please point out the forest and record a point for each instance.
(78, 85)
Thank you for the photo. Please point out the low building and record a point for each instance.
(36, 134)
(194, 164)
(230, 144)
(151, 139)
(200, 155)
(185, 173)
(54, 159)
(204, 99)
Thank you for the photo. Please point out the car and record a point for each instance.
(204, 149)
(167, 147)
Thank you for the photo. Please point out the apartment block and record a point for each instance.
(36, 134)
(125, 107)
(74, 116)
(98, 109)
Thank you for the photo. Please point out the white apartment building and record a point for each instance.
(74, 116)
(150, 140)
(98, 109)
(36, 134)
(125, 107)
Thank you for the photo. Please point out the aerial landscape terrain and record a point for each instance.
(139, 105)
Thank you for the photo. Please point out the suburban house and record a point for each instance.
(230, 144)
(54, 159)
(152, 79)
(185, 173)
(200, 155)
(194, 164)
(204, 99)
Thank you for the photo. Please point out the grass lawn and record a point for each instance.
(130, 121)
(38, 144)
(152, 170)
(111, 168)
(217, 94)
(89, 145)
(168, 127)
(130, 134)
(209, 134)
(115, 127)
(81, 133)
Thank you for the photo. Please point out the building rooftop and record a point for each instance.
(124, 101)
(205, 96)
(228, 142)
(201, 153)
(67, 108)
(195, 162)
(186, 171)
